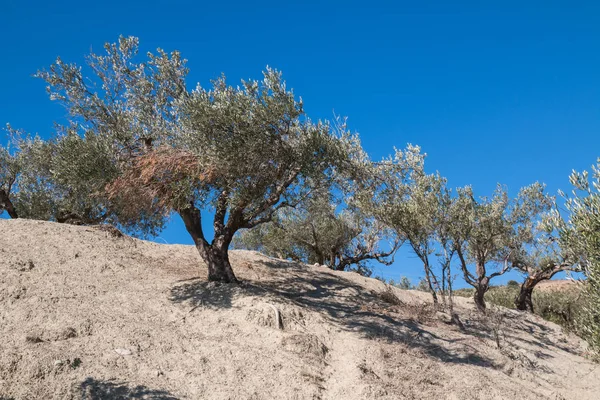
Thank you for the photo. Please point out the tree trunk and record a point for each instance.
(431, 288)
(217, 259)
(6, 204)
(523, 301)
(483, 284)
(480, 290)
(478, 297)
(216, 254)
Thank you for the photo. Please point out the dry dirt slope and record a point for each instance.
(85, 315)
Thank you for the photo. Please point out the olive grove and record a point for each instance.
(140, 145)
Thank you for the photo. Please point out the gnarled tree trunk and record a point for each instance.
(215, 254)
(523, 300)
(7, 205)
(479, 297)
(217, 259)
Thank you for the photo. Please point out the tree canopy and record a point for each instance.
(323, 231)
(578, 229)
(146, 145)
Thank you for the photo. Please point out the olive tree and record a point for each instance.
(415, 219)
(26, 189)
(406, 200)
(489, 231)
(579, 235)
(447, 217)
(537, 253)
(419, 208)
(316, 231)
(242, 153)
(9, 171)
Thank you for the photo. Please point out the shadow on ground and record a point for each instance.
(347, 305)
(93, 389)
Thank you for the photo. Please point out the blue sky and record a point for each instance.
(496, 91)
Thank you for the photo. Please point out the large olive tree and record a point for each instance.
(153, 146)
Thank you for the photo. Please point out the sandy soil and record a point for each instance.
(557, 285)
(87, 315)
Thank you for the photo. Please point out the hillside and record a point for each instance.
(85, 314)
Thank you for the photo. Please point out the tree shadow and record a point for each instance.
(93, 389)
(480, 326)
(346, 304)
(205, 294)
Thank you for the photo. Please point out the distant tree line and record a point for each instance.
(140, 146)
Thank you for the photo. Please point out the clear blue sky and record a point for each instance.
(494, 91)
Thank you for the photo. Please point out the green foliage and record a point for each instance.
(513, 283)
(422, 286)
(403, 284)
(416, 206)
(25, 178)
(579, 235)
(27, 166)
(564, 307)
(502, 296)
(320, 230)
(254, 140)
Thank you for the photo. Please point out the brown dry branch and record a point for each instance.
(152, 180)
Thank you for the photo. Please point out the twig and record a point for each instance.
(277, 316)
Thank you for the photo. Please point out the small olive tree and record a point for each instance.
(539, 256)
(488, 232)
(415, 218)
(154, 147)
(407, 200)
(316, 231)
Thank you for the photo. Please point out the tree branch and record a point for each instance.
(7, 205)
(193, 223)
(471, 280)
(367, 255)
(271, 201)
(221, 210)
(503, 271)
